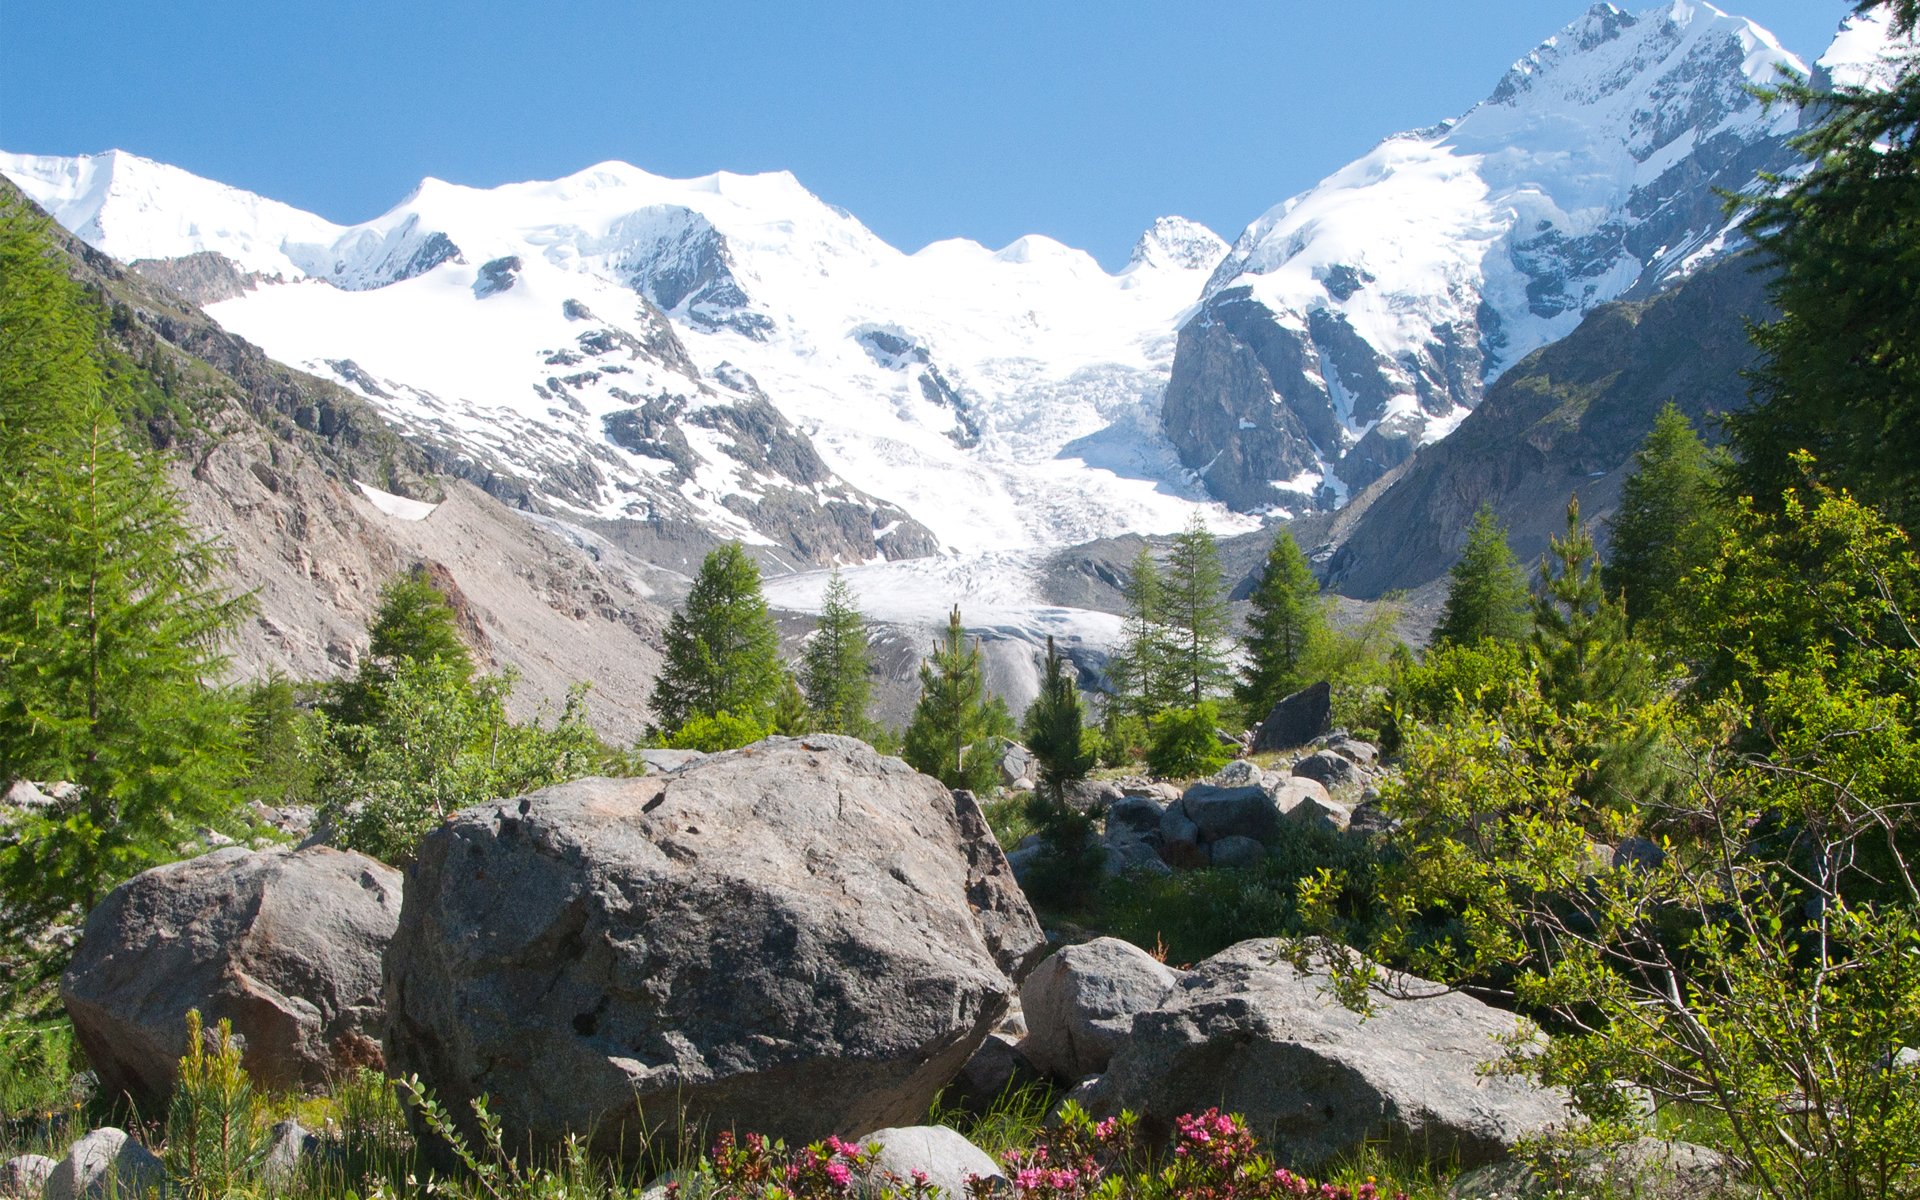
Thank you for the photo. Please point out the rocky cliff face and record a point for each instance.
(1567, 419)
(1363, 319)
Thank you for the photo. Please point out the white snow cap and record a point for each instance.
(1866, 53)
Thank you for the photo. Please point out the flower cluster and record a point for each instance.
(1215, 1157)
(752, 1166)
(1070, 1159)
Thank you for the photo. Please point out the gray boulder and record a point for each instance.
(1641, 854)
(1236, 851)
(1130, 857)
(1329, 770)
(1248, 1033)
(1647, 1169)
(290, 1149)
(1296, 720)
(1250, 812)
(1017, 765)
(1080, 1004)
(665, 762)
(24, 1176)
(105, 1165)
(1135, 818)
(1363, 754)
(800, 937)
(1093, 795)
(1180, 839)
(1318, 812)
(935, 1151)
(1241, 772)
(286, 944)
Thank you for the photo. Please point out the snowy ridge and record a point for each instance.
(1382, 301)
(1001, 398)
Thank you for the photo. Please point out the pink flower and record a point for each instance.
(838, 1172)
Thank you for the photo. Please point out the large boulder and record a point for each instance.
(1297, 720)
(1329, 770)
(1080, 1004)
(1646, 1169)
(1250, 811)
(1248, 1033)
(800, 937)
(286, 944)
(105, 1165)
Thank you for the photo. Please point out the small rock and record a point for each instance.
(1093, 795)
(1016, 764)
(1135, 818)
(1363, 754)
(1639, 853)
(1081, 1001)
(24, 1177)
(996, 1067)
(1648, 1169)
(1180, 840)
(939, 1153)
(1328, 769)
(1241, 772)
(289, 1148)
(1236, 851)
(104, 1165)
(666, 762)
(1133, 856)
(1316, 812)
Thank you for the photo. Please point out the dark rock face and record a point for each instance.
(496, 276)
(678, 260)
(1567, 418)
(1248, 1033)
(287, 944)
(1296, 720)
(800, 937)
(204, 277)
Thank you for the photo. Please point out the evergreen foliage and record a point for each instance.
(834, 665)
(1671, 510)
(955, 722)
(722, 653)
(1055, 729)
(1288, 618)
(1840, 376)
(278, 734)
(791, 716)
(1580, 646)
(110, 617)
(1141, 670)
(1184, 743)
(1486, 589)
(214, 1144)
(413, 622)
(1196, 615)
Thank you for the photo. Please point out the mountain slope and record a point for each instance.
(300, 480)
(1567, 419)
(1364, 318)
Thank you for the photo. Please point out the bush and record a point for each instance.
(1185, 742)
(1453, 681)
(714, 733)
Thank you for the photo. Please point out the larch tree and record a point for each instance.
(1141, 669)
(1487, 597)
(1197, 618)
(723, 652)
(1672, 510)
(834, 665)
(955, 722)
(1287, 618)
(111, 615)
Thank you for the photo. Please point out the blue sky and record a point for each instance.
(1079, 119)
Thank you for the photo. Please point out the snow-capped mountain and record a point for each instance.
(727, 351)
(1365, 316)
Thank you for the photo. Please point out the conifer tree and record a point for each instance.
(413, 623)
(1486, 590)
(722, 647)
(1197, 618)
(110, 616)
(791, 716)
(955, 722)
(1839, 377)
(834, 665)
(1055, 729)
(1287, 617)
(1669, 521)
(1580, 645)
(1141, 669)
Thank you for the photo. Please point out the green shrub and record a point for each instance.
(214, 1146)
(716, 732)
(1185, 743)
(1455, 680)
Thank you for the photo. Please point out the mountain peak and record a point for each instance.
(1178, 243)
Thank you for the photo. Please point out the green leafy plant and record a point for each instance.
(1185, 742)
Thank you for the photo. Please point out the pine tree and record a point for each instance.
(791, 716)
(1054, 729)
(1287, 617)
(1197, 617)
(1669, 521)
(955, 723)
(834, 664)
(1141, 668)
(1580, 645)
(723, 652)
(1486, 591)
(1839, 377)
(110, 616)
